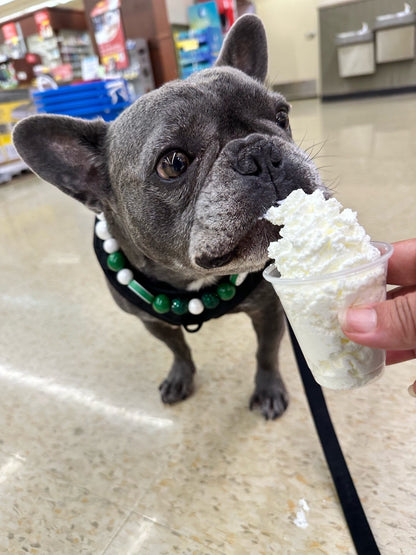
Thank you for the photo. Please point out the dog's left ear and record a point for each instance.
(245, 47)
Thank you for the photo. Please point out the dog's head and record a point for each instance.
(185, 174)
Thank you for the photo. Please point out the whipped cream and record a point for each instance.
(318, 236)
(326, 264)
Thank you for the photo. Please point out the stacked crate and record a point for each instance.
(197, 49)
(105, 99)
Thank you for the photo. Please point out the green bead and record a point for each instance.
(226, 291)
(179, 307)
(116, 261)
(210, 300)
(161, 304)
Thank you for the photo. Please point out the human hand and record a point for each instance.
(390, 325)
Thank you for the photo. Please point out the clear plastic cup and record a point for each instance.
(312, 306)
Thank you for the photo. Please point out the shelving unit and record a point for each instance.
(74, 47)
(14, 105)
(64, 39)
(197, 49)
(46, 48)
(64, 47)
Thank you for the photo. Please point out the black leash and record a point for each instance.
(360, 530)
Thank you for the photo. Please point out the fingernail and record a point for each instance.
(359, 320)
(411, 390)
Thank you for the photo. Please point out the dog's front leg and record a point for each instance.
(270, 393)
(178, 384)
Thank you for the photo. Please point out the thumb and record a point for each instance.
(389, 325)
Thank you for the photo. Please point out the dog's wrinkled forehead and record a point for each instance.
(221, 102)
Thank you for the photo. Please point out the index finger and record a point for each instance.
(402, 264)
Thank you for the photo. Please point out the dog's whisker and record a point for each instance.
(328, 156)
(300, 143)
(320, 168)
(319, 144)
(313, 155)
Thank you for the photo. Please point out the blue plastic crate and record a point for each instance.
(106, 99)
(186, 71)
(201, 54)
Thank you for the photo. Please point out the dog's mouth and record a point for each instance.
(247, 254)
(209, 263)
(228, 233)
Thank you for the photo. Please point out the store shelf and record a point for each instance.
(197, 49)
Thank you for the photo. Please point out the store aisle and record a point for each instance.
(92, 462)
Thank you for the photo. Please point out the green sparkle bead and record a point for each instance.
(161, 304)
(179, 307)
(116, 261)
(226, 291)
(210, 300)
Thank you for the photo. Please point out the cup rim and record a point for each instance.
(386, 250)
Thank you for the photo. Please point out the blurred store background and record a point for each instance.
(92, 58)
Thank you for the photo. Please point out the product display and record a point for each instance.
(198, 48)
(325, 262)
(14, 108)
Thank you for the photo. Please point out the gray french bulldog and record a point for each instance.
(183, 177)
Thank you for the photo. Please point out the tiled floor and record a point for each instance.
(92, 462)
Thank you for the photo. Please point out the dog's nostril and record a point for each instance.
(275, 157)
(248, 165)
(276, 162)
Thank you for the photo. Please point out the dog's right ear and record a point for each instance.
(67, 152)
(245, 47)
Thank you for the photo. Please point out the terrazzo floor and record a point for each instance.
(90, 459)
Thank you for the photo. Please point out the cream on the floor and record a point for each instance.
(92, 462)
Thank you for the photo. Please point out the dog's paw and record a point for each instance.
(270, 396)
(176, 387)
(271, 405)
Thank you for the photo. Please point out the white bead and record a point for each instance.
(101, 216)
(124, 276)
(101, 230)
(111, 245)
(240, 279)
(195, 306)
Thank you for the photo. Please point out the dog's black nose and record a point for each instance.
(257, 156)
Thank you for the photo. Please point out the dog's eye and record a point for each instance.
(172, 165)
(282, 119)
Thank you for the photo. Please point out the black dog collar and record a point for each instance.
(189, 309)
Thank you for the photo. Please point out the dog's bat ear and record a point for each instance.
(245, 47)
(67, 152)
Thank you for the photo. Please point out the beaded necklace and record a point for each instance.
(178, 307)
